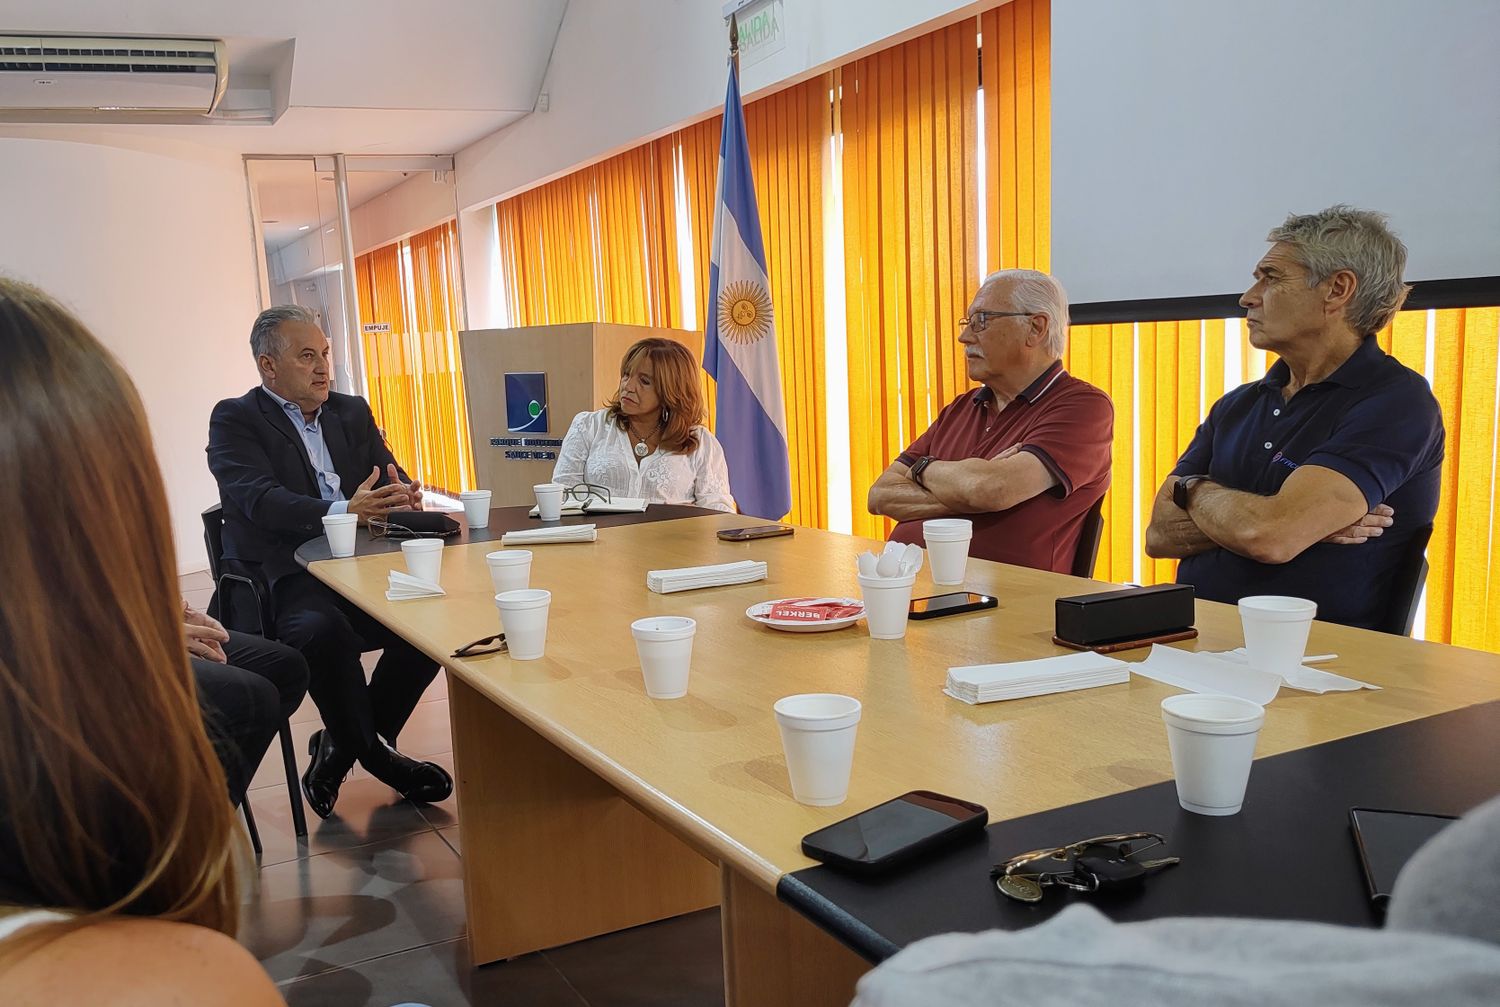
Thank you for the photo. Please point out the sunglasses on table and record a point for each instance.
(381, 528)
(486, 645)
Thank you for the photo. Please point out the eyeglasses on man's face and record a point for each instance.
(976, 321)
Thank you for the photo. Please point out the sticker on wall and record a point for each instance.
(526, 402)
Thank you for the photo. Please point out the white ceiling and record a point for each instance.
(342, 76)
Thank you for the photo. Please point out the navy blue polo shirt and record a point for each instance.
(1373, 420)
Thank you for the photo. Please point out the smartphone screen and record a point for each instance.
(947, 602)
(891, 827)
(1387, 840)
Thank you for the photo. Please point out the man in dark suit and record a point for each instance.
(285, 454)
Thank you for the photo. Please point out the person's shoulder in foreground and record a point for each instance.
(130, 962)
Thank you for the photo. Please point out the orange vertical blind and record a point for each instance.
(446, 452)
(910, 183)
(412, 368)
(389, 367)
(1017, 79)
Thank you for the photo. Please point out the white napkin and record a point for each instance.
(560, 533)
(1230, 674)
(985, 683)
(404, 586)
(690, 578)
(1207, 673)
(1304, 678)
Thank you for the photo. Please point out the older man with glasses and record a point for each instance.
(1027, 455)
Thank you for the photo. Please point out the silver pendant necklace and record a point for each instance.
(640, 448)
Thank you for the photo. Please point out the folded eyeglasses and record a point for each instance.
(486, 645)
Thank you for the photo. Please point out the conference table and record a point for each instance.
(586, 807)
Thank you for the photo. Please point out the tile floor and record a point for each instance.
(367, 910)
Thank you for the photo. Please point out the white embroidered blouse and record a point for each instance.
(596, 450)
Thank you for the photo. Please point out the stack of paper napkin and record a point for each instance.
(542, 536)
(690, 578)
(985, 683)
(404, 586)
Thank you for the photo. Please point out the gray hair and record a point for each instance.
(1346, 237)
(265, 336)
(1039, 294)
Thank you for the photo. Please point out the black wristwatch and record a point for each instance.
(917, 468)
(1180, 490)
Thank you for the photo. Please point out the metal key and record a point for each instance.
(1116, 872)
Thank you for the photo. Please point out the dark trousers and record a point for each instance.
(332, 634)
(245, 701)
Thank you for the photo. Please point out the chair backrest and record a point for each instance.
(213, 538)
(1406, 586)
(1088, 541)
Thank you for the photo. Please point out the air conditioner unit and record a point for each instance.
(72, 75)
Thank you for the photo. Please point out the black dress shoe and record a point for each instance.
(426, 782)
(325, 773)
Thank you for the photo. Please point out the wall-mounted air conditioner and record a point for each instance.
(72, 75)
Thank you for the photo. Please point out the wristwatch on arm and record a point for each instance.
(1180, 489)
(917, 468)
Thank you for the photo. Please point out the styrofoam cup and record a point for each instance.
(524, 615)
(1276, 630)
(947, 541)
(424, 558)
(665, 647)
(1213, 743)
(817, 735)
(548, 500)
(340, 530)
(476, 507)
(887, 600)
(510, 569)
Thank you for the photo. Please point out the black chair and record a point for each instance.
(1088, 542)
(228, 586)
(1406, 586)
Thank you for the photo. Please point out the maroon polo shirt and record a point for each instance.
(1068, 425)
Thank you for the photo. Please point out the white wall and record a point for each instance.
(415, 205)
(624, 72)
(1182, 131)
(151, 246)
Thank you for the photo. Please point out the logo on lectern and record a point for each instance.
(526, 402)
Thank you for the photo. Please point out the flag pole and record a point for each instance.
(734, 42)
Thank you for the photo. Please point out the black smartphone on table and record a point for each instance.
(949, 604)
(1386, 841)
(758, 531)
(896, 832)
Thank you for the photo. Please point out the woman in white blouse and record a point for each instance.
(648, 440)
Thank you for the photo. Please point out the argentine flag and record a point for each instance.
(739, 347)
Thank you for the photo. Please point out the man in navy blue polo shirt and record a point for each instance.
(1313, 481)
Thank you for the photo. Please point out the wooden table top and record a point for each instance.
(710, 765)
